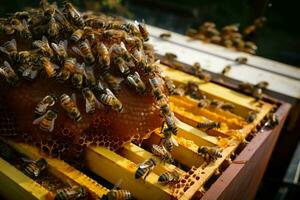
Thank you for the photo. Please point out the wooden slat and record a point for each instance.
(114, 168)
(138, 155)
(62, 170)
(15, 185)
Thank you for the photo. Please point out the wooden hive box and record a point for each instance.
(246, 150)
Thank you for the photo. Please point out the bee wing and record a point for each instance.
(174, 141)
(73, 97)
(108, 91)
(27, 160)
(38, 120)
(6, 64)
(64, 44)
(25, 24)
(131, 80)
(137, 75)
(39, 44)
(76, 50)
(122, 45)
(4, 50)
(144, 165)
(88, 106)
(55, 47)
(51, 128)
(14, 42)
(98, 104)
(3, 72)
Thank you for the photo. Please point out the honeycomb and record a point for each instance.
(105, 127)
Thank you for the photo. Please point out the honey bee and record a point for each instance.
(112, 81)
(156, 91)
(120, 50)
(135, 81)
(70, 66)
(145, 168)
(205, 76)
(6, 28)
(21, 28)
(46, 122)
(209, 125)
(226, 70)
(85, 51)
(103, 58)
(77, 35)
(249, 30)
(10, 75)
(114, 35)
(170, 86)
(169, 118)
(44, 104)
(49, 67)
(209, 154)
(122, 65)
(43, 46)
(246, 87)
(251, 116)
(10, 49)
(231, 28)
(197, 68)
(24, 57)
(70, 106)
(262, 84)
(53, 28)
(169, 141)
(241, 60)
(72, 14)
(143, 30)
(95, 22)
(108, 98)
(227, 106)
(257, 93)
(203, 103)
(35, 168)
(169, 177)
(215, 103)
(139, 58)
(165, 35)
(91, 103)
(28, 72)
(77, 80)
(133, 42)
(163, 153)
(74, 192)
(132, 28)
(170, 56)
(22, 15)
(89, 75)
(250, 45)
(192, 90)
(61, 49)
(118, 195)
(272, 121)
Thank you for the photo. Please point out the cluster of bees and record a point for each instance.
(85, 50)
(255, 90)
(229, 36)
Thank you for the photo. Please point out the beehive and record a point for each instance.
(196, 177)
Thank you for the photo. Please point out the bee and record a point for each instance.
(156, 91)
(170, 86)
(114, 35)
(44, 104)
(53, 28)
(46, 121)
(10, 75)
(192, 90)
(133, 42)
(89, 75)
(22, 15)
(118, 195)
(24, 57)
(10, 49)
(61, 49)
(163, 153)
(132, 28)
(191, 32)
(77, 35)
(250, 45)
(165, 35)
(272, 120)
(231, 28)
(135, 81)
(257, 93)
(103, 58)
(169, 118)
(241, 60)
(85, 51)
(143, 30)
(74, 192)
(43, 46)
(249, 30)
(209, 125)
(120, 50)
(203, 103)
(169, 141)
(21, 28)
(197, 68)
(49, 67)
(72, 14)
(169, 177)
(226, 70)
(95, 22)
(91, 102)
(209, 154)
(170, 56)
(227, 106)
(70, 106)
(262, 84)
(145, 168)
(139, 58)
(205, 76)
(35, 168)
(112, 81)
(251, 116)
(28, 72)
(108, 98)
(215, 103)
(77, 80)
(6, 29)
(122, 65)
(246, 87)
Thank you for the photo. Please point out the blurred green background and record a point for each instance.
(278, 39)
